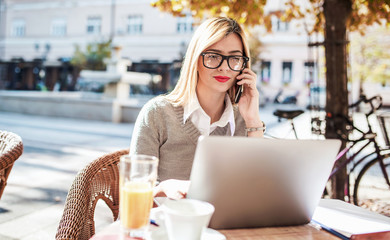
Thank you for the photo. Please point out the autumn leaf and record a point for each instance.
(251, 12)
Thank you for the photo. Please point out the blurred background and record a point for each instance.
(75, 73)
(84, 46)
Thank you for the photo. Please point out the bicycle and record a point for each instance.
(371, 187)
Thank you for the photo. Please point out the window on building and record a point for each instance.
(18, 28)
(278, 25)
(94, 25)
(309, 71)
(185, 24)
(282, 26)
(58, 27)
(134, 24)
(265, 71)
(287, 72)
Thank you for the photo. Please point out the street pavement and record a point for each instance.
(55, 149)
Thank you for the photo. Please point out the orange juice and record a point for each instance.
(136, 200)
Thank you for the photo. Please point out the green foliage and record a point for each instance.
(371, 56)
(93, 56)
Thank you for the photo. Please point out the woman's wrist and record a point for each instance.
(259, 127)
(254, 123)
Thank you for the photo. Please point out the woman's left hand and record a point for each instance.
(172, 188)
(249, 101)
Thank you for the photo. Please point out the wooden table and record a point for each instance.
(296, 232)
(334, 214)
(302, 232)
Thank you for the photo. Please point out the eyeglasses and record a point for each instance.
(215, 60)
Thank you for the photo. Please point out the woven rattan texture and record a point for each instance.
(11, 147)
(98, 180)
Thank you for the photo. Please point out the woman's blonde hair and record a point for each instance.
(208, 33)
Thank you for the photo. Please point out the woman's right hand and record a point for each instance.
(172, 188)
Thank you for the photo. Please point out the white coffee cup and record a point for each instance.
(186, 218)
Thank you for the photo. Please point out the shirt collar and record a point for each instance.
(191, 107)
(227, 116)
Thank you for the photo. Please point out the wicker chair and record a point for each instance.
(11, 147)
(98, 180)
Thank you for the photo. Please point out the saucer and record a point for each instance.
(208, 234)
(160, 233)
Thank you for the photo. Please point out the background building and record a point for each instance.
(47, 31)
(50, 29)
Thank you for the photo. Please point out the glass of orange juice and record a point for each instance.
(137, 177)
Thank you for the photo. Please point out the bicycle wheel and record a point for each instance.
(371, 190)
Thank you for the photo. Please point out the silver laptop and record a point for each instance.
(256, 182)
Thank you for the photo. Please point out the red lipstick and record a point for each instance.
(222, 79)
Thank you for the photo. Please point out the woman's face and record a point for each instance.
(220, 79)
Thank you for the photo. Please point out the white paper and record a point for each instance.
(349, 219)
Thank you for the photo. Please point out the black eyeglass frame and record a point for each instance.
(246, 59)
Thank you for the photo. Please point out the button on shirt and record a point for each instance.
(201, 120)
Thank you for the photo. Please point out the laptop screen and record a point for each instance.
(254, 182)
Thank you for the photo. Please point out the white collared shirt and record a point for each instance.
(201, 120)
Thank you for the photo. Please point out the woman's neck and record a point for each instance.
(212, 104)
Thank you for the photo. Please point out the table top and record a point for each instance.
(293, 232)
(333, 214)
(301, 232)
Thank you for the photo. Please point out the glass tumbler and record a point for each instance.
(137, 177)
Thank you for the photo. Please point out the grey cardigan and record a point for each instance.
(159, 131)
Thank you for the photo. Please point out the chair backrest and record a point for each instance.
(11, 147)
(98, 180)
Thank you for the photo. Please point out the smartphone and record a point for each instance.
(239, 90)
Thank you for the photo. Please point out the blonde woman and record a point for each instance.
(202, 103)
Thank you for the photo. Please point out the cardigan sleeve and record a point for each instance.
(145, 138)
